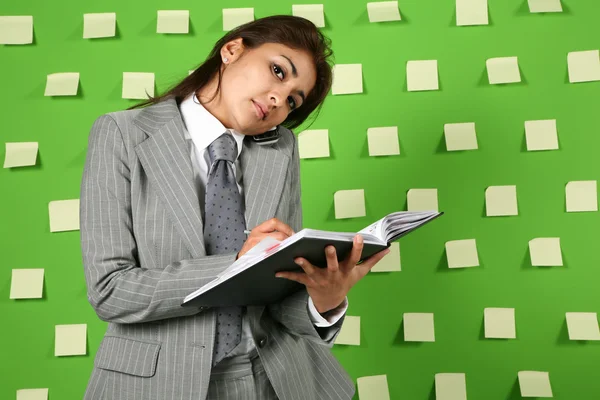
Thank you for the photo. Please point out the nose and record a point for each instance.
(277, 98)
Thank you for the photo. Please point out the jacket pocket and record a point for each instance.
(129, 356)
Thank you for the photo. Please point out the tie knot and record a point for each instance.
(223, 148)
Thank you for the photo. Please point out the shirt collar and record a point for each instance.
(203, 128)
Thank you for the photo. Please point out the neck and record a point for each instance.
(214, 106)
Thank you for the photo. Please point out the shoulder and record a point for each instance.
(287, 142)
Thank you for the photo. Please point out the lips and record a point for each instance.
(261, 111)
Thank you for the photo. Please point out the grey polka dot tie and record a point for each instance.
(224, 226)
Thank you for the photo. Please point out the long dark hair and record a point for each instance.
(295, 32)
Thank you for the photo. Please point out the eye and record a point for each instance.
(278, 70)
(292, 103)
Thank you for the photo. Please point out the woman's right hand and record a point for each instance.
(272, 227)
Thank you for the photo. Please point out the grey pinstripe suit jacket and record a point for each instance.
(143, 252)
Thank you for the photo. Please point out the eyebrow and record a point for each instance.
(295, 73)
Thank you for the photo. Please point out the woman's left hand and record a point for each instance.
(329, 286)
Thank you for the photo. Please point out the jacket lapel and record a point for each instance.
(165, 157)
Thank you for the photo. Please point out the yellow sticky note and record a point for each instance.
(450, 386)
(541, 135)
(422, 75)
(349, 203)
(542, 6)
(534, 384)
(234, 17)
(312, 12)
(64, 215)
(471, 12)
(347, 79)
(99, 25)
(383, 11)
(373, 387)
(383, 141)
(391, 261)
(500, 323)
(62, 84)
(462, 253)
(32, 394)
(422, 200)
(582, 196)
(583, 326)
(545, 252)
(501, 201)
(503, 70)
(70, 340)
(584, 66)
(173, 21)
(460, 136)
(16, 29)
(27, 283)
(20, 154)
(418, 327)
(350, 331)
(313, 143)
(138, 85)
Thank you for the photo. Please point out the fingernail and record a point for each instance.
(298, 261)
(359, 239)
(330, 250)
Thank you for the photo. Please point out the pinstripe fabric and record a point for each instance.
(240, 378)
(143, 252)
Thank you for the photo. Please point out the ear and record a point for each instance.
(232, 50)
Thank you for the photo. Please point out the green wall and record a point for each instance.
(540, 296)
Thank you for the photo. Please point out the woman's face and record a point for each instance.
(261, 86)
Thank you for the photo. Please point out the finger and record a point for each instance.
(355, 254)
(277, 235)
(274, 224)
(308, 268)
(332, 261)
(296, 277)
(374, 259)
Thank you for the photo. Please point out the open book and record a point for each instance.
(251, 280)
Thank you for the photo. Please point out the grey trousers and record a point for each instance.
(240, 378)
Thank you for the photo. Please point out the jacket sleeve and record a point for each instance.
(293, 312)
(118, 287)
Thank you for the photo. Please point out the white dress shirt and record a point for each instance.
(202, 129)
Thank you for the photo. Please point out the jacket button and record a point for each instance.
(262, 342)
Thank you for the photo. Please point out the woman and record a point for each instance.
(152, 205)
